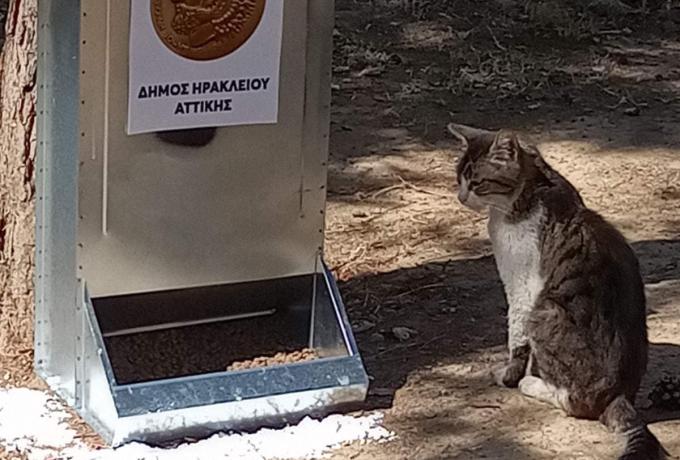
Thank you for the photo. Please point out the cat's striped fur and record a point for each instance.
(576, 302)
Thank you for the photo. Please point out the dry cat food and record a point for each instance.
(298, 356)
(205, 348)
(666, 394)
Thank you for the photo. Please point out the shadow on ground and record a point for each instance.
(447, 313)
(492, 68)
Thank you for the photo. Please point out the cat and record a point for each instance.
(577, 332)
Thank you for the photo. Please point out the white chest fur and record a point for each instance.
(516, 249)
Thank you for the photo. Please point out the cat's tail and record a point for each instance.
(621, 417)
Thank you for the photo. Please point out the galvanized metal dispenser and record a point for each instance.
(163, 257)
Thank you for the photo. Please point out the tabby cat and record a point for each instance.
(576, 304)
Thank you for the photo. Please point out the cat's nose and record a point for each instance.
(463, 195)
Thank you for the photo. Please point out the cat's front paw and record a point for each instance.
(509, 374)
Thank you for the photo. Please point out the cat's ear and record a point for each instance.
(505, 146)
(466, 134)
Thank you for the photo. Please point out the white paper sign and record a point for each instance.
(180, 76)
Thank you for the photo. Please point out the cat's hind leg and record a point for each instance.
(537, 388)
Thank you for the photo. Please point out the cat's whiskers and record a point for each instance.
(503, 209)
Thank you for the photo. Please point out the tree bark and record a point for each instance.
(17, 191)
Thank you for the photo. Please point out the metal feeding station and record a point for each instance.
(181, 176)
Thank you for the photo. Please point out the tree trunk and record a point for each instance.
(17, 159)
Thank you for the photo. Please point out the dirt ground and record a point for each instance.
(600, 97)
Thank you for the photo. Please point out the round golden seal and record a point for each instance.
(205, 29)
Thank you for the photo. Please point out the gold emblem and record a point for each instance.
(205, 29)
